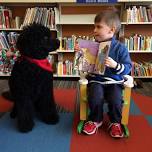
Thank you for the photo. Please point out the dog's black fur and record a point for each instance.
(31, 86)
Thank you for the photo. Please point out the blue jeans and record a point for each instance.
(98, 94)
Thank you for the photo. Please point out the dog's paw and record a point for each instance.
(13, 115)
(25, 126)
(7, 95)
(51, 119)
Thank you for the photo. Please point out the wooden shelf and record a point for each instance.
(15, 29)
(77, 19)
(38, 1)
(62, 51)
(66, 76)
(134, 0)
(65, 51)
(143, 77)
(77, 76)
(61, 1)
(4, 74)
(53, 52)
(55, 75)
(141, 23)
(139, 51)
(10, 29)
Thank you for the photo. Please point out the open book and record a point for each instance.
(92, 56)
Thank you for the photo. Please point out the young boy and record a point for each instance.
(118, 64)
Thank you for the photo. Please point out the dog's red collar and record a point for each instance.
(43, 63)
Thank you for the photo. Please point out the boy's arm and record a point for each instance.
(124, 64)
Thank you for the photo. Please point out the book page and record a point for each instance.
(103, 53)
(89, 53)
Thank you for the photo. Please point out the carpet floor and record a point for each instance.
(63, 137)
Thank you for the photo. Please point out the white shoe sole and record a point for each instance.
(117, 136)
(95, 130)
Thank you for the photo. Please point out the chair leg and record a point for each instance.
(125, 130)
(80, 126)
(83, 104)
(125, 111)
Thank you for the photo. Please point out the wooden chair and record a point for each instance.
(126, 106)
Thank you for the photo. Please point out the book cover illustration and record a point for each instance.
(93, 55)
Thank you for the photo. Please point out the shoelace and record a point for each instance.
(115, 127)
(90, 124)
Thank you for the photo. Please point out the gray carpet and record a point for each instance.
(146, 90)
(3, 85)
(57, 84)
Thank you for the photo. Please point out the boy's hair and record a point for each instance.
(111, 18)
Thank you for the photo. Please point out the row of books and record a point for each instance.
(139, 42)
(44, 16)
(5, 17)
(66, 68)
(137, 14)
(8, 51)
(8, 40)
(8, 46)
(5, 68)
(7, 20)
(61, 66)
(68, 43)
(142, 69)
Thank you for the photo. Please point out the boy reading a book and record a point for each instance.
(104, 87)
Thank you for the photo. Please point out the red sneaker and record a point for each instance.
(116, 130)
(91, 127)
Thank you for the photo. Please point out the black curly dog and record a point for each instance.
(31, 81)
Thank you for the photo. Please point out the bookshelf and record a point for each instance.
(15, 29)
(55, 75)
(142, 77)
(38, 1)
(139, 23)
(9, 29)
(10, 14)
(139, 51)
(84, 20)
(61, 1)
(137, 32)
(78, 19)
(131, 1)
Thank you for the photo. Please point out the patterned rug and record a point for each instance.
(63, 137)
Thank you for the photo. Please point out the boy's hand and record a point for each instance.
(76, 47)
(109, 62)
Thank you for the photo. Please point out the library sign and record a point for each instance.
(96, 1)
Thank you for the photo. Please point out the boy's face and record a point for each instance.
(102, 31)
